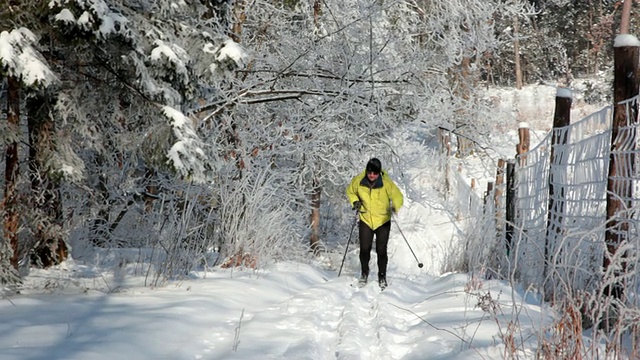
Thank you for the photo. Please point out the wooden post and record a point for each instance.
(524, 142)
(621, 158)
(510, 208)
(561, 119)
(516, 51)
(497, 195)
(497, 199)
(487, 195)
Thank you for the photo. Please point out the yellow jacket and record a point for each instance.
(377, 199)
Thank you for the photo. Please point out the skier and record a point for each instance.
(375, 196)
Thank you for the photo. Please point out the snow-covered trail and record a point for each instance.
(334, 319)
(307, 323)
(292, 311)
(330, 320)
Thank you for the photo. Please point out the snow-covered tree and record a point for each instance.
(318, 87)
(24, 68)
(119, 69)
(190, 121)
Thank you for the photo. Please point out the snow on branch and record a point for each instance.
(186, 155)
(91, 16)
(177, 56)
(228, 57)
(18, 58)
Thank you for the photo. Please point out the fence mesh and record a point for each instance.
(561, 204)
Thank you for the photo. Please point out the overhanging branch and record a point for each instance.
(325, 76)
(263, 96)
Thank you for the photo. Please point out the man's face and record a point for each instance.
(372, 176)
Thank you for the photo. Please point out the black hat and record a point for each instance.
(374, 166)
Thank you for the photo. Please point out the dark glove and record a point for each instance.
(357, 205)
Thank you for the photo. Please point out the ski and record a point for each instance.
(382, 282)
(359, 283)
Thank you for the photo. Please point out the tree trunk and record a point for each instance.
(216, 10)
(99, 233)
(516, 50)
(317, 11)
(317, 190)
(10, 220)
(315, 217)
(625, 17)
(464, 84)
(50, 243)
(151, 186)
(240, 16)
(510, 207)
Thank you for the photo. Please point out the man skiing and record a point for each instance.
(375, 196)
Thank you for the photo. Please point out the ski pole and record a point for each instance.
(420, 265)
(348, 242)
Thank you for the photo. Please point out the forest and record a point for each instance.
(192, 126)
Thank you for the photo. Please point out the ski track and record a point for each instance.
(331, 320)
(361, 329)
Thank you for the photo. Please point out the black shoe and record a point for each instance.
(382, 281)
(363, 280)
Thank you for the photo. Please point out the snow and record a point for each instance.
(22, 61)
(65, 16)
(290, 310)
(85, 20)
(163, 49)
(176, 56)
(110, 22)
(97, 11)
(177, 118)
(535, 104)
(623, 40)
(231, 50)
(229, 53)
(187, 144)
(562, 92)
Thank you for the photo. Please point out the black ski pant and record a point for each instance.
(366, 243)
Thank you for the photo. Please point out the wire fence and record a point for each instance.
(561, 225)
(561, 205)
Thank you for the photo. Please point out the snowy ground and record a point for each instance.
(292, 311)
